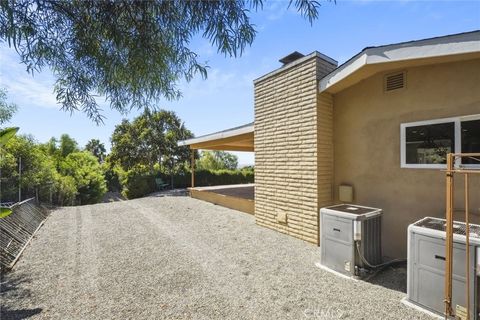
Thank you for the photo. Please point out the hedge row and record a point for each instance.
(136, 184)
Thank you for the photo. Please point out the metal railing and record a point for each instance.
(18, 228)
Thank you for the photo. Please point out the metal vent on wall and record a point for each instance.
(394, 81)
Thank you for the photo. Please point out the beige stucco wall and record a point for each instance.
(367, 144)
(325, 149)
(287, 123)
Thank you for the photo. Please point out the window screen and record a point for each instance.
(429, 144)
(470, 139)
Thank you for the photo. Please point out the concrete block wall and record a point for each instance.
(292, 125)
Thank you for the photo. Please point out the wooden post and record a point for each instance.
(192, 167)
(449, 235)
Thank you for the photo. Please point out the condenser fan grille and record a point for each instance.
(458, 227)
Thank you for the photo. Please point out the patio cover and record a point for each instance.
(234, 139)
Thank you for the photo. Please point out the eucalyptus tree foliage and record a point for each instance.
(5, 135)
(67, 145)
(217, 160)
(131, 52)
(7, 110)
(151, 138)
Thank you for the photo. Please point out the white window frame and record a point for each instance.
(458, 141)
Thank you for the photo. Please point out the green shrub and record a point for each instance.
(222, 177)
(65, 190)
(137, 182)
(140, 181)
(86, 171)
(38, 169)
(112, 178)
(210, 177)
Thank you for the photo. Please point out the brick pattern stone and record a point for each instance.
(293, 124)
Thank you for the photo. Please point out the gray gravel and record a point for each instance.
(181, 258)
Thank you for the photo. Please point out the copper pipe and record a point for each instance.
(450, 172)
(449, 235)
(467, 243)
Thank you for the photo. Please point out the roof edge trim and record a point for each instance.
(463, 43)
(247, 128)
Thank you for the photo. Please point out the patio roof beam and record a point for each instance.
(242, 139)
(235, 139)
(224, 147)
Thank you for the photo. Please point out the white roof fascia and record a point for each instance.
(436, 47)
(341, 73)
(248, 128)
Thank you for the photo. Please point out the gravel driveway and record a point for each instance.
(180, 258)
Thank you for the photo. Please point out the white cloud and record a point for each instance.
(275, 10)
(217, 82)
(30, 91)
(23, 88)
(205, 49)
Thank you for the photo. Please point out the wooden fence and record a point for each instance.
(17, 229)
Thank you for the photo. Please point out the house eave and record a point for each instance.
(421, 52)
(234, 139)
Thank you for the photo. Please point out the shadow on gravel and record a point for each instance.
(12, 287)
(112, 197)
(394, 278)
(7, 314)
(170, 193)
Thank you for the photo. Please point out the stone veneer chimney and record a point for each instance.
(293, 133)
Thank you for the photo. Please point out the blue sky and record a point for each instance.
(225, 99)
